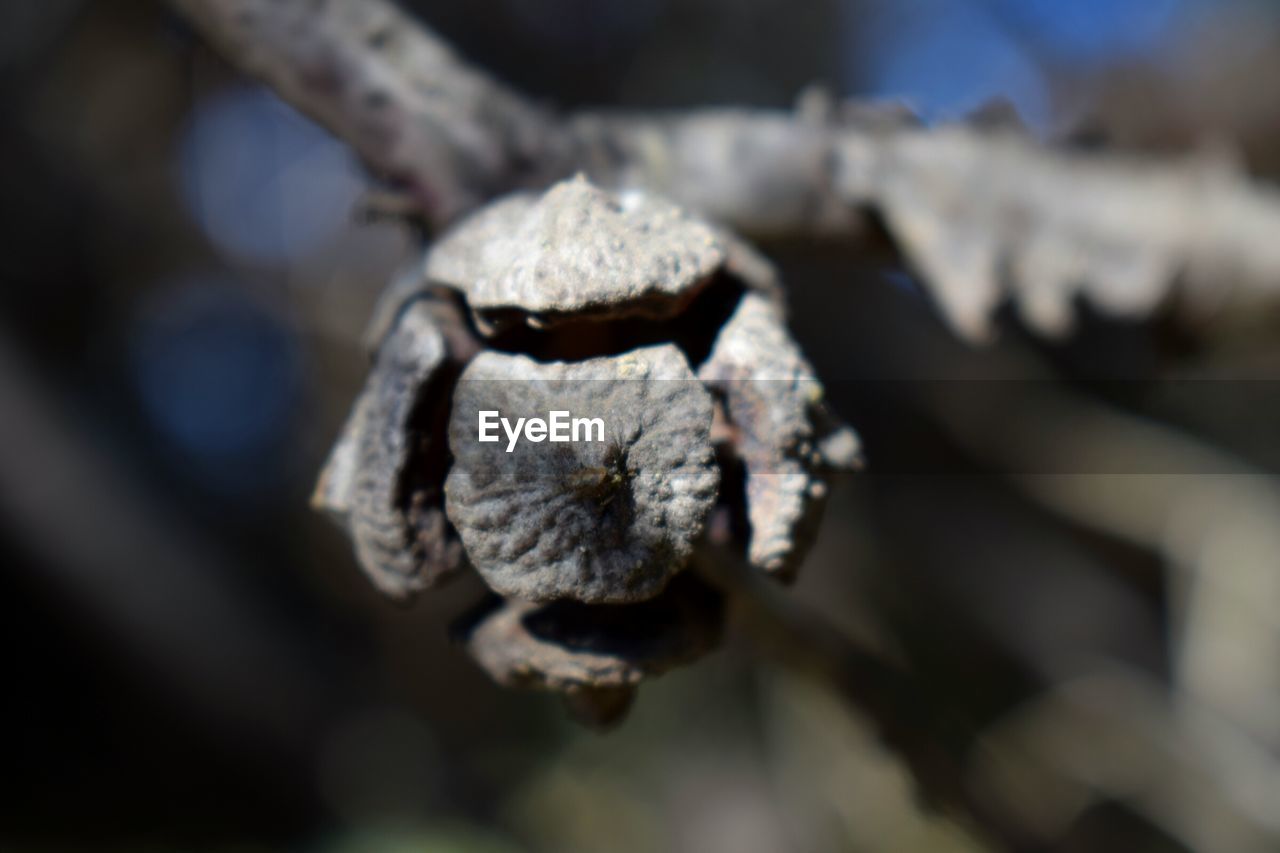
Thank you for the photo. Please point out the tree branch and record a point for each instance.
(449, 134)
(983, 213)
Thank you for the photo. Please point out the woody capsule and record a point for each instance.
(661, 333)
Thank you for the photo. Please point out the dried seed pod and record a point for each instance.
(594, 654)
(583, 538)
(600, 521)
(780, 429)
(383, 478)
(577, 250)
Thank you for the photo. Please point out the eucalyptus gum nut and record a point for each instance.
(574, 648)
(779, 427)
(586, 539)
(596, 521)
(578, 250)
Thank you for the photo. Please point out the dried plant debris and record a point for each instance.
(571, 647)
(988, 215)
(577, 250)
(599, 521)
(383, 478)
(779, 428)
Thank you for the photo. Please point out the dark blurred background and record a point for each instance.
(193, 661)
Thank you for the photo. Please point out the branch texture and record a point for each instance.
(447, 134)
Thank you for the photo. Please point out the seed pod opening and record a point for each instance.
(599, 521)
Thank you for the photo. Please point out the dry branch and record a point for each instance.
(420, 117)
(984, 213)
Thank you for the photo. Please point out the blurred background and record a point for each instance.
(1077, 546)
